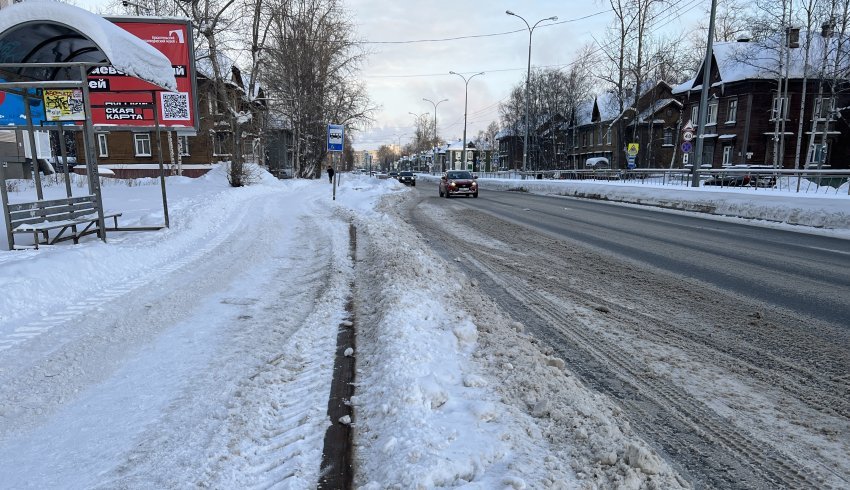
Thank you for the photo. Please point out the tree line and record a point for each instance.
(301, 61)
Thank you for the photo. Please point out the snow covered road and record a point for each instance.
(202, 355)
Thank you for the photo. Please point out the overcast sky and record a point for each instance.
(399, 75)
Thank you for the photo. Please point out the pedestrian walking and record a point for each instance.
(330, 174)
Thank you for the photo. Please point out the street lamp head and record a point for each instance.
(509, 12)
(453, 73)
(553, 18)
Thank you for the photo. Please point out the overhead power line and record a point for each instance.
(476, 36)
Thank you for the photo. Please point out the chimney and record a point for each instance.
(827, 28)
(793, 37)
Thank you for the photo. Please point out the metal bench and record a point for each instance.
(66, 214)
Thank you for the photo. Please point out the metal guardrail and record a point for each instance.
(830, 182)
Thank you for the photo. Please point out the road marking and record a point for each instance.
(842, 252)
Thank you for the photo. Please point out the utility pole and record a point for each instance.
(703, 99)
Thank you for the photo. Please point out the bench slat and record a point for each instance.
(49, 225)
(81, 208)
(47, 203)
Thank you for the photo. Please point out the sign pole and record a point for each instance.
(336, 139)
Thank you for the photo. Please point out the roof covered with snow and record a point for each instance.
(44, 29)
(737, 61)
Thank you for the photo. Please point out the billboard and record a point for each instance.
(122, 101)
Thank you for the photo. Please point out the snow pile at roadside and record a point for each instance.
(806, 209)
(450, 392)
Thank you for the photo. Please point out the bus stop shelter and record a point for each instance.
(54, 46)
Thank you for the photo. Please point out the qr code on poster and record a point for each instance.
(175, 106)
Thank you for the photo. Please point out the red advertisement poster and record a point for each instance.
(121, 100)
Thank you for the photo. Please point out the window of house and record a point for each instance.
(731, 110)
(711, 116)
(183, 145)
(591, 137)
(823, 106)
(142, 144)
(608, 136)
(694, 114)
(102, 145)
(584, 139)
(780, 108)
(668, 137)
(220, 143)
(727, 155)
(601, 135)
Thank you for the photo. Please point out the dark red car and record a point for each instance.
(458, 183)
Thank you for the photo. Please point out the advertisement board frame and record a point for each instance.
(139, 92)
(142, 86)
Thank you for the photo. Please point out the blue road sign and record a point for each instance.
(631, 162)
(687, 146)
(336, 137)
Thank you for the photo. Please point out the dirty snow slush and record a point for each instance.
(743, 396)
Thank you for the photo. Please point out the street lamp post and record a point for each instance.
(434, 157)
(127, 3)
(527, 82)
(465, 105)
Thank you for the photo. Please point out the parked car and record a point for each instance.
(458, 182)
(394, 175)
(407, 178)
(737, 180)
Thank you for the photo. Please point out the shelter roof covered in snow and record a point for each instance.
(51, 32)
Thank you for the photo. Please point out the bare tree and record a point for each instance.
(312, 63)
(554, 93)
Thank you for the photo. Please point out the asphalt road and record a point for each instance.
(808, 274)
(726, 345)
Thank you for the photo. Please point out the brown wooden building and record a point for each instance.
(748, 119)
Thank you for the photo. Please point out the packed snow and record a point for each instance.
(202, 354)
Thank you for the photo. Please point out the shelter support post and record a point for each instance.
(33, 149)
(5, 196)
(91, 157)
(159, 151)
(64, 152)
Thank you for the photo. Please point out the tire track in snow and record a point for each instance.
(509, 268)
